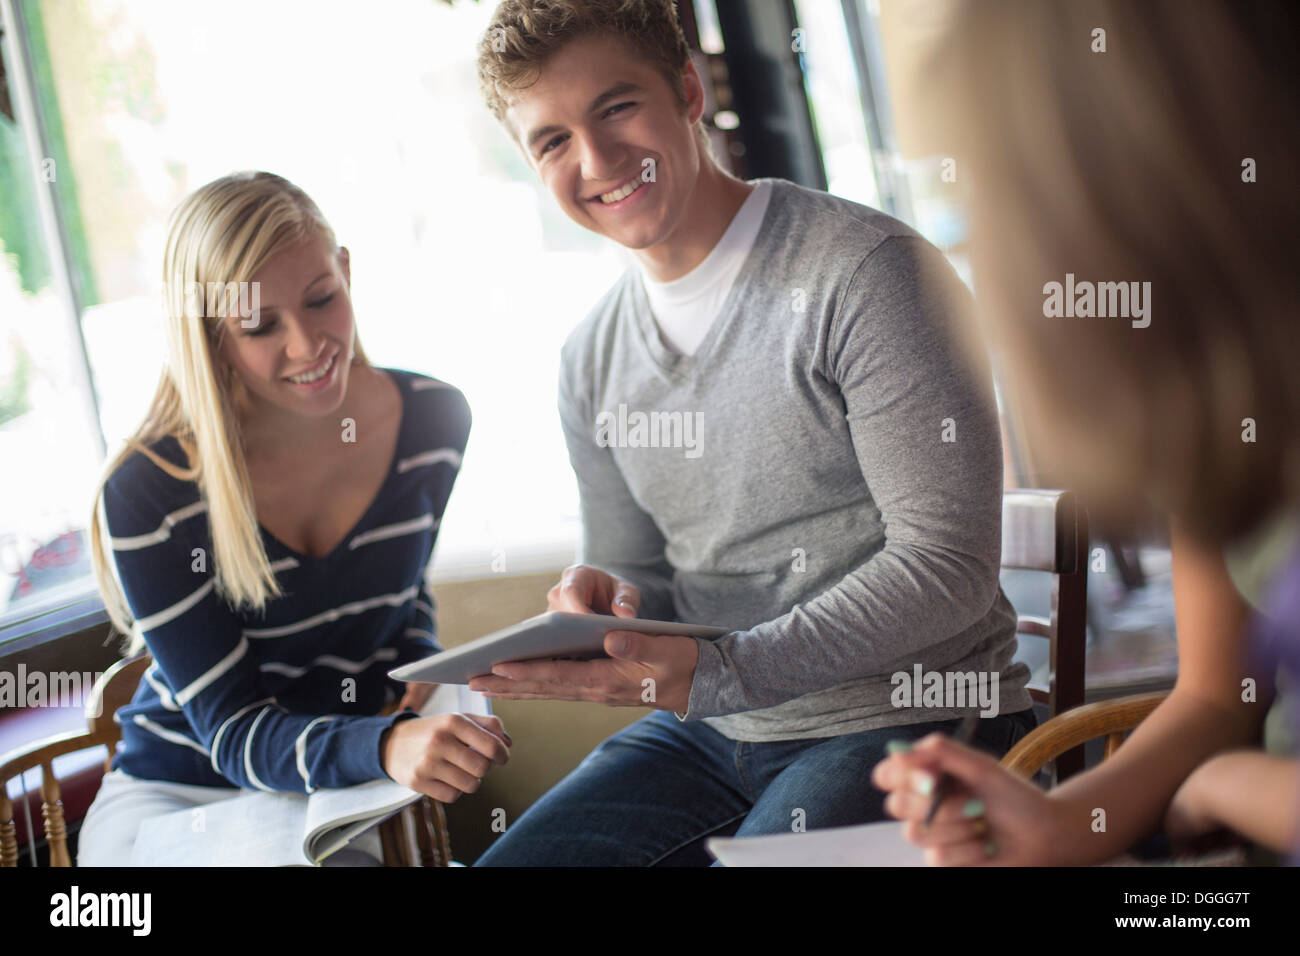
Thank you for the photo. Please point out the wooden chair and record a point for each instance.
(1111, 719)
(1047, 530)
(116, 688)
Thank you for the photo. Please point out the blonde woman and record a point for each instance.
(267, 530)
(1150, 144)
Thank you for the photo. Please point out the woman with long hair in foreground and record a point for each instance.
(1158, 155)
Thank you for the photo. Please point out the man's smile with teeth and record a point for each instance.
(623, 191)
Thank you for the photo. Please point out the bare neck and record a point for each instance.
(714, 202)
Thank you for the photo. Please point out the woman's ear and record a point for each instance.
(345, 263)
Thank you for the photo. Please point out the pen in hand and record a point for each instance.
(965, 734)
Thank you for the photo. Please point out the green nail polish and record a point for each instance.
(973, 808)
(924, 784)
(898, 747)
(990, 849)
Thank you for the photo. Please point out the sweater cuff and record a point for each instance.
(365, 751)
(702, 701)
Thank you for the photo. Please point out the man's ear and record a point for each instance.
(693, 87)
(345, 263)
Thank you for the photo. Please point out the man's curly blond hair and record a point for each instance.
(523, 34)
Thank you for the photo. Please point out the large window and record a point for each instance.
(463, 267)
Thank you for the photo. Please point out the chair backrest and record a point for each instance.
(1047, 530)
(113, 689)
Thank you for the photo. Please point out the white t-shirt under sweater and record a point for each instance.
(685, 308)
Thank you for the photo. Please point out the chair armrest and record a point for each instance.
(1107, 718)
(44, 751)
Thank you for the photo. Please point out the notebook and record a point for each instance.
(285, 829)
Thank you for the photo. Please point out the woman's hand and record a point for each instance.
(416, 696)
(990, 817)
(1190, 816)
(445, 755)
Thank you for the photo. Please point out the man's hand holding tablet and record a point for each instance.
(643, 670)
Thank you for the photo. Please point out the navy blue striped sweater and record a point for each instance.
(286, 700)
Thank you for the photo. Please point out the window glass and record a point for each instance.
(462, 265)
(49, 444)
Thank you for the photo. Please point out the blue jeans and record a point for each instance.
(654, 792)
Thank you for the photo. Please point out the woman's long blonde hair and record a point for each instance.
(218, 237)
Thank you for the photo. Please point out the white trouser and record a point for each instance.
(124, 802)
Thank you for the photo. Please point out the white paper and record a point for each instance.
(335, 817)
(872, 844)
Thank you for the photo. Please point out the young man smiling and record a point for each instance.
(831, 520)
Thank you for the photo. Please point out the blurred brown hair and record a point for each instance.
(1127, 165)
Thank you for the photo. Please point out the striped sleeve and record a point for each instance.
(420, 639)
(443, 427)
(163, 558)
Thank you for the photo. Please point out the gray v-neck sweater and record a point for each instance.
(823, 475)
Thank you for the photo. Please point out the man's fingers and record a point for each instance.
(578, 673)
(587, 590)
(575, 591)
(630, 645)
(627, 599)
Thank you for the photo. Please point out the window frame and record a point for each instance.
(80, 608)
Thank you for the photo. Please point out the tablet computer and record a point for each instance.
(550, 636)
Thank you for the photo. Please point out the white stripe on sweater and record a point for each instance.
(333, 614)
(300, 752)
(248, 752)
(164, 531)
(196, 687)
(146, 624)
(330, 660)
(216, 739)
(164, 695)
(392, 531)
(449, 455)
(169, 735)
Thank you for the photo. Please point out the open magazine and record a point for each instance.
(286, 829)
